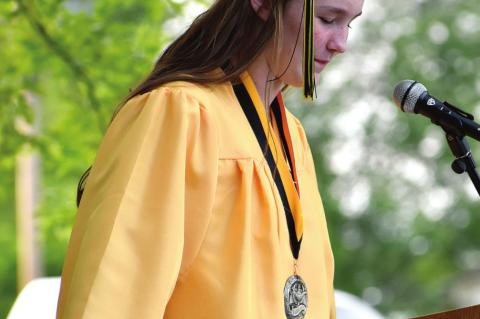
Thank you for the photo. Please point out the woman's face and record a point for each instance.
(331, 26)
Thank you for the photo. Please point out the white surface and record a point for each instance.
(39, 300)
(352, 307)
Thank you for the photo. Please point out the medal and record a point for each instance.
(295, 298)
(284, 175)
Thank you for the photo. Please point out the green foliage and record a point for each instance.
(401, 223)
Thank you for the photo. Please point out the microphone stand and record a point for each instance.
(459, 146)
(464, 161)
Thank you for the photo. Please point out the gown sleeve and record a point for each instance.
(144, 211)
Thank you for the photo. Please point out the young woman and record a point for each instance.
(203, 201)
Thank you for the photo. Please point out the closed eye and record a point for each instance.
(330, 15)
(331, 21)
(326, 20)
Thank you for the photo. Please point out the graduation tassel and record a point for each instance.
(308, 54)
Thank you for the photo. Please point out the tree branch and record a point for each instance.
(66, 57)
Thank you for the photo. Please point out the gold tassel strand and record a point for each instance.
(308, 58)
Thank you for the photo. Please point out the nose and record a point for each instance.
(338, 41)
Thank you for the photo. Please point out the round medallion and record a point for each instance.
(295, 298)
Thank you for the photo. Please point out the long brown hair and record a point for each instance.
(229, 35)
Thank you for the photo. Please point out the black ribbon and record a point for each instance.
(255, 123)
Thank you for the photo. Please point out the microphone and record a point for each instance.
(413, 97)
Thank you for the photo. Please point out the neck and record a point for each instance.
(262, 75)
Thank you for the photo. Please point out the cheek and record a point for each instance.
(290, 53)
(319, 35)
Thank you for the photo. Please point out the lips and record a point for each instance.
(322, 61)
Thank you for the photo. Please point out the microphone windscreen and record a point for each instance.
(407, 93)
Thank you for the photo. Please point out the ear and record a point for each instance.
(262, 8)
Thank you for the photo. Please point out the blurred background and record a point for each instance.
(405, 229)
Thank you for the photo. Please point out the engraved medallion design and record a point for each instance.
(295, 297)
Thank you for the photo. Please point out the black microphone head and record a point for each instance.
(407, 93)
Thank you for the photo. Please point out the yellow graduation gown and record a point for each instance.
(181, 218)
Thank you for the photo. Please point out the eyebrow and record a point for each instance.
(337, 10)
